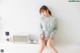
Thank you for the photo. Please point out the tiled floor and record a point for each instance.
(68, 47)
(65, 48)
(33, 48)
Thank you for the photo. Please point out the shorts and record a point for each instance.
(47, 34)
(46, 39)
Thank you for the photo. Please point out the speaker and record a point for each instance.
(2, 50)
(7, 33)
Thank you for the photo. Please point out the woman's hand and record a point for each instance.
(42, 35)
(51, 35)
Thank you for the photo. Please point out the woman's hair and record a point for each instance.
(44, 8)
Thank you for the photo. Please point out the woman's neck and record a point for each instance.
(47, 15)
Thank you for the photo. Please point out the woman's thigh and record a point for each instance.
(41, 40)
(50, 40)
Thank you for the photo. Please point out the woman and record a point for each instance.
(48, 29)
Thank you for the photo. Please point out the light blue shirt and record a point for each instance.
(48, 25)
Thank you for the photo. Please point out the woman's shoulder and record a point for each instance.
(42, 18)
(53, 17)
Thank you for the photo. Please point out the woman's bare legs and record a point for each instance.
(41, 43)
(51, 45)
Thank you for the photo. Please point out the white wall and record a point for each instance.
(22, 16)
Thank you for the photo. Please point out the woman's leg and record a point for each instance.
(41, 44)
(51, 45)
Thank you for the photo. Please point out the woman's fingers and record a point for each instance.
(42, 36)
(51, 36)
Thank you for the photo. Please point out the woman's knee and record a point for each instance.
(49, 45)
(41, 40)
(51, 36)
(50, 42)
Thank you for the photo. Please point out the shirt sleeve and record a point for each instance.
(54, 31)
(53, 28)
(41, 31)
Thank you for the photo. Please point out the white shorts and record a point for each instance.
(47, 34)
(46, 39)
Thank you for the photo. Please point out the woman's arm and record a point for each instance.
(53, 27)
(41, 31)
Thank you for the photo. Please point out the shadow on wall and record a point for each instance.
(59, 26)
(59, 36)
(61, 33)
